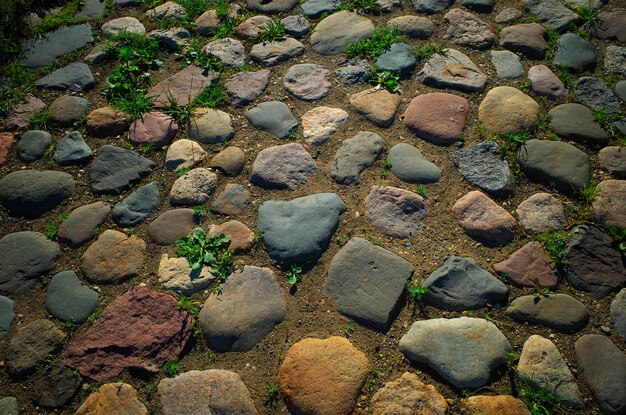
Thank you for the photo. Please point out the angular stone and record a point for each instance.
(609, 206)
(7, 314)
(355, 155)
(307, 81)
(43, 50)
(75, 77)
(613, 159)
(31, 345)
(494, 405)
(545, 83)
(352, 71)
(208, 22)
(526, 38)
(241, 237)
(507, 64)
(574, 52)
(232, 201)
(33, 145)
(194, 187)
(107, 122)
(31, 192)
(467, 30)
(409, 165)
(20, 114)
(415, 27)
(615, 60)
(115, 169)
(551, 13)
(377, 106)
(399, 58)
(452, 69)
(507, 110)
(80, 226)
(596, 94)
(229, 161)
(611, 25)
(137, 206)
(229, 51)
(283, 167)
(277, 51)
(320, 123)
(68, 300)
(334, 33)
(113, 257)
(245, 87)
(618, 313)
(431, 6)
(123, 24)
(184, 154)
(271, 7)
(395, 212)
(557, 311)
(407, 394)
(176, 275)
(182, 87)
(67, 109)
(484, 220)
(483, 166)
(529, 266)
(72, 150)
(274, 117)
(153, 128)
(55, 387)
(113, 398)
(296, 26)
(508, 15)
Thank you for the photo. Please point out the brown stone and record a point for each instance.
(466, 29)
(140, 329)
(232, 201)
(610, 25)
(323, 376)
(19, 116)
(507, 110)
(242, 238)
(80, 226)
(153, 128)
(437, 117)
(379, 107)
(494, 405)
(252, 27)
(395, 212)
(6, 141)
(609, 207)
(113, 399)
(67, 109)
(229, 161)
(408, 396)
(32, 345)
(527, 38)
(483, 219)
(182, 87)
(541, 212)
(171, 225)
(207, 22)
(113, 258)
(107, 122)
(613, 159)
(528, 264)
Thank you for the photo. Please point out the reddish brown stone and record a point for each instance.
(113, 399)
(494, 405)
(171, 225)
(6, 141)
(242, 238)
(437, 117)
(139, 329)
(113, 258)
(80, 226)
(153, 128)
(19, 116)
(106, 122)
(527, 264)
(182, 87)
(484, 220)
(252, 27)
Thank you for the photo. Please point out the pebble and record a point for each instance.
(596, 94)
(80, 226)
(75, 77)
(354, 156)
(395, 212)
(507, 110)
(274, 117)
(277, 51)
(415, 27)
(610, 204)
(114, 169)
(452, 69)
(484, 220)
(320, 123)
(229, 51)
(307, 81)
(525, 38)
(377, 106)
(404, 395)
(233, 200)
(557, 311)
(283, 167)
(138, 206)
(545, 83)
(32, 193)
(468, 30)
(32, 345)
(56, 386)
(43, 50)
(245, 87)
(613, 159)
(171, 225)
(184, 154)
(409, 165)
(296, 26)
(33, 145)
(153, 128)
(114, 398)
(483, 166)
(576, 122)
(67, 109)
(72, 150)
(67, 299)
(123, 24)
(334, 33)
(574, 52)
(113, 257)
(529, 266)
(507, 64)
(108, 122)
(182, 87)
(175, 274)
(618, 313)
(7, 314)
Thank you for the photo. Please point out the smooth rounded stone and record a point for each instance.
(596, 94)
(171, 225)
(574, 52)
(123, 24)
(466, 29)
(587, 4)
(113, 398)
(207, 23)
(334, 33)
(98, 54)
(296, 26)
(609, 206)
(7, 314)
(526, 38)
(452, 69)
(484, 220)
(354, 156)
(80, 226)
(137, 206)
(153, 128)
(529, 266)
(334, 365)
(615, 60)
(613, 159)
(31, 345)
(299, 230)
(174, 39)
(352, 71)
(557, 311)
(611, 25)
(604, 369)
(194, 187)
(551, 13)
(75, 77)
(483, 166)
(431, 6)
(182, 87)
(283, 167)
(210, 126)
(8, 406)
(482, 6)
(68, 300)
(545, 83)
(507, 64)
(176, 275)
(555, 163)
(459, 284)
(541, 363)
(409, 165)
(115, 169)
(576, 122)
(72, 150)
(395, 212)
(618, 313)
(245, 87)
(377, 106)
(463, 350)
(314, 8)
(229, 51)
(168, 10)
(272, 6)
(113, 257)
(233, 200)
(507, 110)
(399, 58)
(31, 193)
(6, 141)
(620, 89)
(415, 27)
(493, 405)
(43, 50)
(366, 281)
(19, 115)
(67, 109)
(307, 81)
(229, 161)
(184, 154)
(108, 122)
(406, 395)
(33, 145)
(320, 123)
(508, 15)
(139, 329)
(55, 387)
(241, 237)
(250, 305)
(277, 51)
(274, 117)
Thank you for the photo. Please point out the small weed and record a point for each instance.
(512, 357)
(348, 329)
(294, 274)
(212, 252)
(16, 83)
(589, 19)
(525, 86)
(552, 35)
(384, 171)
(40, 119)
(604, 118)
(188, 305)
(343, 239)
(424, 53)
(362, 6)
(563, 72)
(272, 31)
(589, 193)
(149, 389)
(182, 171)
(172, 368)
(538, 400)
(180, 113)
(555, 244)
(65, 17)
(291, 136)
(94, 315)
(619, 236)
(482, 132)
(199, 212)
(384, 79)
(213, 95)
(515, 140)
(374, 46)
(257, 237)
(272, 395)
(45, 278)
(146, 148)
(416, 290)
(540, 290)
(53, 227)
(421, 190)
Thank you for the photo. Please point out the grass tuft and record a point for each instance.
(555, 243)
(376, 45)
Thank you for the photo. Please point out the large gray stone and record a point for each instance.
(399, 57)
(574, 52)
(307, 81)
(409, 165)
(355, 155)
(277, 51)
(138, 206)
(483, 166)
(551, 13)
(31, 192)
(334, 33)
(116, 168)
(43, 50)
(274, 117)
(366, 282)
(75, 77)
(68, 300)
(575, 122)
(81, 224)
(557, 311)
(7, 314)
(72, 150)
(452, 69)
(299, 230)
(314, 8)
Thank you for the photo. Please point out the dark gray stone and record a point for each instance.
(56, 386)
(75, 77)
(31, 345)
(68, 300)
(555, 163)
(399, 57)
(32, 192)
(271, 6)
(138, 206)
(484, 166)
(431, 6)
(274, 117)
(296, 26)
(8, 406)
(232, 201)
(593, 265)
(574, 52)
(299, 230)
(6, 315)
(334, 33)
(250, 305)
(72, 150)
(314, 8)
(618, 313)
(595, 94)
(67, 109)
(620, 90)
(33, 145)
(620, 126)
(459, 284)
(116, 168)
(551, 13)
(92, 9)
(283, 167)
(355, 155)
(352, 71)
(44, 49)
(482, 6)
(409, 165)
(366, 281)
(575, 122)
(557, 311)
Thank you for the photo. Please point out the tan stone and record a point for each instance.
(483, 219)
(494, 405)
(241, 237)
(408, 396)
(113, 257)
(113, 399)
(184, 153)
(507, 110)
(609, 207)
(377, 106)
(229, 161)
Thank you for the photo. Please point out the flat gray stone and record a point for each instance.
(138, 206)
(596, 94)
(395, 212)
(33, 145)
(307, 81)
(334, 33)
(557, 311)
(575, 122)
(398, 57)
(355, 155)
(7, 314)
(274, 117)
(618, 313)
(296, 26)
(551, 13)
(175, 38)
(613, 159)
(507, 64)
(116, 168)
(277, 51)
(431, 6)
(283, 167)
(314, 8)
(31, 192)
(299, 230)
(72, 150)
(574, 52)
(463, 350)
(366, 281)
(210, 126)
(409, 165)
(483, 166)
(452, 69)
(75, 77)
(68, 299)
(43, 50)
